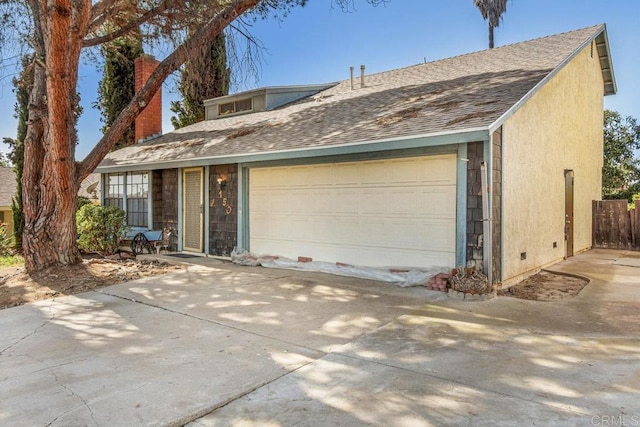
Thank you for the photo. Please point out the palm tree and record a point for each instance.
(491, 11)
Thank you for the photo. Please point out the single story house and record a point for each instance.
(490, 158)
(7, 191)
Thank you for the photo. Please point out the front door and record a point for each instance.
(568, 212)
(192, 209)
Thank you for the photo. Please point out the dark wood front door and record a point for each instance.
(568, 212)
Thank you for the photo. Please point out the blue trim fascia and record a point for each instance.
(180, 207)
(356, 157)
(206, 207)
(150, 202)
(461, 206)
(243, 207)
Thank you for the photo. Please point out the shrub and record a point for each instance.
(81, 202)
(99, 228)
(6, 241)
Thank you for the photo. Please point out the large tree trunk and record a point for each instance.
(49, 179)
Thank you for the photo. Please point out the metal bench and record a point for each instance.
(140, 239)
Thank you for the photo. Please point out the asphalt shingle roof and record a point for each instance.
(448, 95)
(8, 185)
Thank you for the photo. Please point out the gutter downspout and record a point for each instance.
(487, 253)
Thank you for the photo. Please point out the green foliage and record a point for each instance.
(82, 201)
(6, 241)
(22, 89)
(4, 160)
(204, 77)
(621, 168)
(117, 87)
(99, 228)
(11, 260)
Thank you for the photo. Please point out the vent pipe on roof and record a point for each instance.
(362, 76)
(351, 68)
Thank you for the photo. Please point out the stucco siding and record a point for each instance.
(6, 217)
(559, 128)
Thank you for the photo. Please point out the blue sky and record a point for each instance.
(318, 44)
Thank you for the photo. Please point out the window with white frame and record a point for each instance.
(235, 106)
(114, 190)
(129, 192)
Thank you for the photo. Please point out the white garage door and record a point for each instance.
(396, 212)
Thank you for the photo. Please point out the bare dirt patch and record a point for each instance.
(17, 287)
(546, 286)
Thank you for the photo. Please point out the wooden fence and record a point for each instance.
(615, 226)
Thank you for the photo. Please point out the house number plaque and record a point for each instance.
(227, 207)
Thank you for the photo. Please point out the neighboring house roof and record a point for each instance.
(463, 94)
(9, 185)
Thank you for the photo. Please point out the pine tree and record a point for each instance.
(22, 89)
(117, 87)
(204, 77)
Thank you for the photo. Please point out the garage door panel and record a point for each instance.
(437, 202)
(345, 174)
(297, 201)
(404, 171)
(372, 201)
(320, 176)
(261, 202)
(375, 213)
(269, 226)
(279, 201)
(344, 230)
(277, 177)
(437, 170)
(399, 235)
(343, 202)
(321, 202)
(403, 202)
(436, 236)
(372, 173)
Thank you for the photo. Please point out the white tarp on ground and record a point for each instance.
(399, 276)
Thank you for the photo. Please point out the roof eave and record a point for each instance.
(387, 144)
(606, 63)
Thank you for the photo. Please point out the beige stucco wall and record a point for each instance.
(8, 218)
(559, 128)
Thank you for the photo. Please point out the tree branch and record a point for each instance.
(171, 63)
(123, 30)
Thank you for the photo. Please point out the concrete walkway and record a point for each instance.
(221, 345)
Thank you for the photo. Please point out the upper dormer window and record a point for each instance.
(235, 107)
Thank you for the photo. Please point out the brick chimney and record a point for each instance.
(149, 122)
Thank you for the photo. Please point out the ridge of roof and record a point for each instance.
(495, 49)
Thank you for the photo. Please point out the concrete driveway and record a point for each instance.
(221, 345)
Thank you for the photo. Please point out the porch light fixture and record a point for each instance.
(221, 182)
